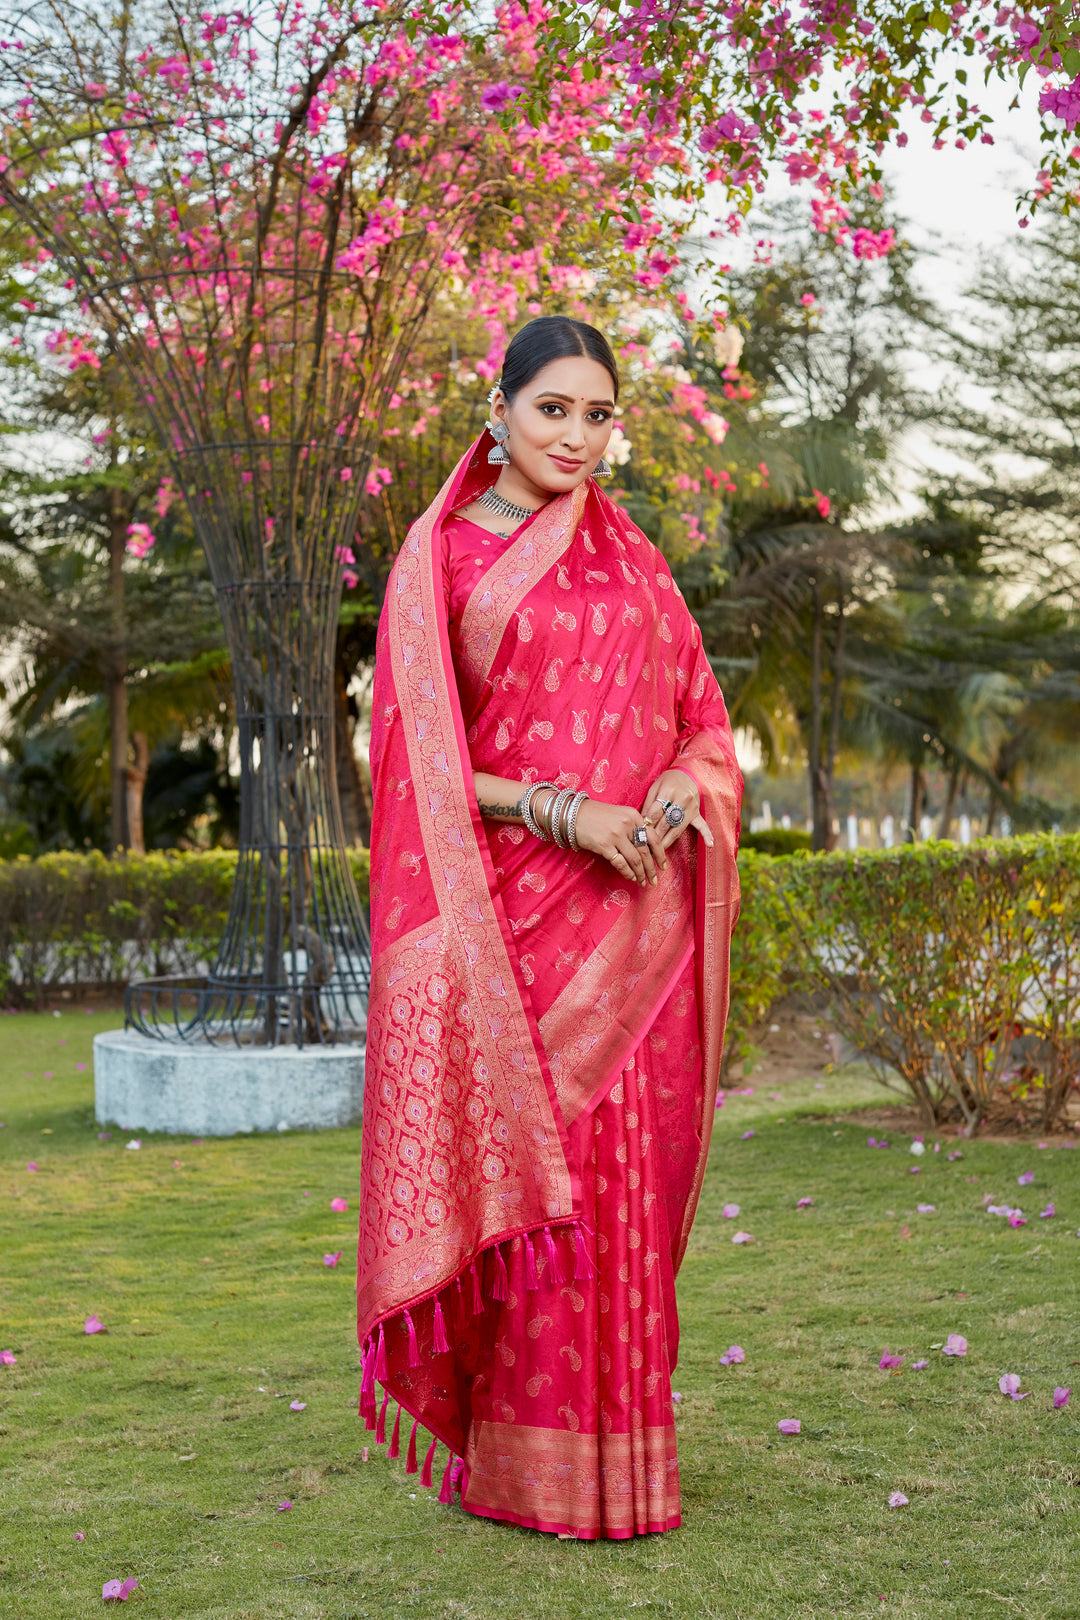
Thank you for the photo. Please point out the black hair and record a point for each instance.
(553, 337)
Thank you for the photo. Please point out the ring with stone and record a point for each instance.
(674, 814)
(640, 836)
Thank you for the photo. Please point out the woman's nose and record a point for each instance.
(573, 434)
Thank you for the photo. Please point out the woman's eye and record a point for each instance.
(551, 407)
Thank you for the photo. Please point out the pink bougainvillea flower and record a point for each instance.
(926, 1209)
(79, 1536)
(952, 1156)
(1061, 1396)
(733, 1355)
(1010, 1385)
(1025, 1178)
(332, 1259)
(676, 1396)
(743, 1237)
(31, 1165)
(917, 1366)
(497, 96)
(1017, 1219)
(790, 1426)
(803, 1203)
(92, 1325)
(1042, 1144)
(7, 1358)
(283, 1507)
(104, 1136)
(1048, 1213)
(119, 1591)
(955, 1345)
(915, 1170)
(81, 1068)
(339, 1205)
(905, 1231)
(298, 1406)
(871, 1141)
(888, 1361)
(898, 1499)
(745, 1134)
(730, 1211)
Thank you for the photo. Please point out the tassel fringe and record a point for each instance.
(446, 1493)
(477, 1296)
(425, 1472)
(395, 1438)
(414, 1349)
(501, 1288)
(439, 1342)
(380, 1427)
(380, 1357)
(410, 1460)
(554, 1259)
(461, 1323)
(532, 1281)
(584, 1267)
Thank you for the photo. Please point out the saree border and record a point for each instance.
(499, 592)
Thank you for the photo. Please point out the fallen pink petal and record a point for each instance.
(917, 1366)
(80, 1536)
(898, 1499)
(92, 1325)
(888, 1360)
(1025, 1179)
(743, 1237)
(915, 1170)
(1048, 1213)
(1016, 1219)
(952, 1156)
(676, 1396)
(733, 1355)
(1010, 1385)
(804, 1203)
(7, 1359)
(955, 1345)
(31, 1165)
(926, 1209)
(283, 1507)
(790, 1426)
(339, 1205)
(730, 1211)
(745, 1134)
(119, 1590)
(332, 1259)
(298, 1406)
(1061, 1396)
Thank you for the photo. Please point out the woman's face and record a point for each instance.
(560, 423)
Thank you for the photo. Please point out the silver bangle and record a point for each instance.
(571, 821)
(526, 810)
(556, 816)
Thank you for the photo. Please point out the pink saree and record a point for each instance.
(544, 1038)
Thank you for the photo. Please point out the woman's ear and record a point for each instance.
(499, 406)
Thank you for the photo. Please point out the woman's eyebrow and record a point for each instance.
(568, 399)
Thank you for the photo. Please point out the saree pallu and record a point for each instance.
(544, 1038)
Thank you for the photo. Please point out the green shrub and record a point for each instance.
(777, 841)
(74, 920)
(955, 968)
(760, 957)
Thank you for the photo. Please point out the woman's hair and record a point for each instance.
(553, 337)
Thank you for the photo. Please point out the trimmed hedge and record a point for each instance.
(71, 920)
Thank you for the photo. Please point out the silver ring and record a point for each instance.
(640, 837)
(674, 814)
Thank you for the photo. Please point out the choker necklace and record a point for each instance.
(504, 508)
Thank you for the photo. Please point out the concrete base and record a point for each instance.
(205, 1090)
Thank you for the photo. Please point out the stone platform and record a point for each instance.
(201, 1089)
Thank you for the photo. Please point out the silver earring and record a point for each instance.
(602, 470)
(498, 457)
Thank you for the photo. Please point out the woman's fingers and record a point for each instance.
(702, 827)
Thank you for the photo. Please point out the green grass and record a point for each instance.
(210, 1279)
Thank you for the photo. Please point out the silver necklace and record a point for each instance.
(504, 508)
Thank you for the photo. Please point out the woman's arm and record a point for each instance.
(498, 797)
(602, 829)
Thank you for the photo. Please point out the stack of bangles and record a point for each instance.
(554, 821)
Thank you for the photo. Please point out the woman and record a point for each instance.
(549, 982)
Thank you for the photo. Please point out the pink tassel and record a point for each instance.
(457, 1473)
(439, 1340)
(410, 1460)
(531, 1279)
(395, 1438)
(425, 1472)
(367, 1381)
(557, 1273)
(446, 1493)
(584, 1267)
(368, 1414)
(477, 1296)
(380, 1427)
(414, 1349)
(461, 1323)
(380, 1357)
(501, 1289)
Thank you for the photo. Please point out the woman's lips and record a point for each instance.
(566, 463)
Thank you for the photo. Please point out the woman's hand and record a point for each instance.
(606, 830)
(678, 788)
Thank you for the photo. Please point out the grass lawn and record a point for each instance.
(169, 1440)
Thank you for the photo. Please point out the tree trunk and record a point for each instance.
(835, 714)
(915, 800)
(350, 788)
(115, 682)
(820, 795)
(949, 807)
(136, 786)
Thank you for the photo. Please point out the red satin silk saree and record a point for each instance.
(544, 1038)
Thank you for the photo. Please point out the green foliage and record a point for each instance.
(776, 841)
(760, 953)
(83, 919)
(955, 970)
